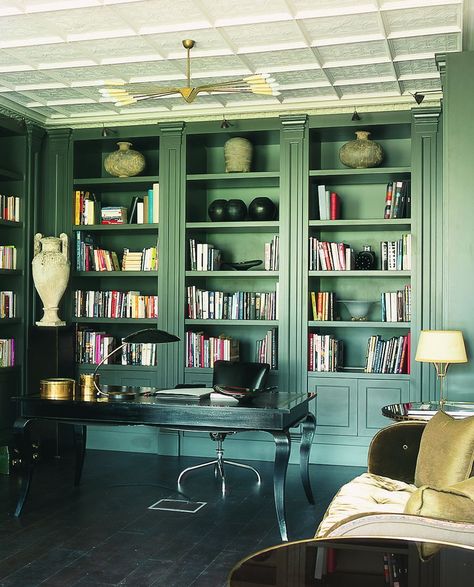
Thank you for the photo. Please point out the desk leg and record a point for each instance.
(22, 441)
(308, 428)
(80, 436)
(282, 455)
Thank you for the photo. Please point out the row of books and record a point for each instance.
(7, 257)
(329, 204)
(7, 304)
(203, 256)
(144, 260)
(330, 256)
(396, 255)
(388, 356)
(202, 350)
(272, 254)
(323, 305)
(7, 352)
(240, 305)
(86, 208)
(10, 208)
(325, 352)
(266, 349)
(114, 304)
(396, 305)
(113, 215)
(398, 199)
(146, 209)
(92, 347)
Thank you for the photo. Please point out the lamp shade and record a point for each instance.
(151, 335)
(441, 346)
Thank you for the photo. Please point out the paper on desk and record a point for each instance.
(221, 397)
(184, 393)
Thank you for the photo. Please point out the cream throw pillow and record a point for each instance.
(446, 451)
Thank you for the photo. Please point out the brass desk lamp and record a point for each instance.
(147, 335)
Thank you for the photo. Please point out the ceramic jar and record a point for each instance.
(217, 211)
(238, 155)
(51, 268)
(262, 208)
(235, 210)
(362, 152)
(125, 162)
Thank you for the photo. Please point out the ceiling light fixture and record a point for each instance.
(125, 94)
(420, 96)
(225, 123)
(355, 116)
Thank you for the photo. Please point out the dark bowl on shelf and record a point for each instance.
(262, 208)
(242, 266)
(217, 210)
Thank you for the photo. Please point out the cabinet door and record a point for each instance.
(373, 394)
(335, 405)
(196, 377)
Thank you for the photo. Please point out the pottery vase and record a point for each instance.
(237, 155)
(217, 211)
(262, 208)
(125, 162)
(235, 210)
(362, 152)
(51, 269)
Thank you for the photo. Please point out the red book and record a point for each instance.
(334, 206)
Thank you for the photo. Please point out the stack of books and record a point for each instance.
(7, 352)
(329, 204)
(203, 350)
(266, 349)
(114, 304)
(113, 215)
(7, 257)
(325, 352)
(139, 353)
(92, 347)
(10, 208)
(86, 208)
(330, 256)
(388, 356)
(7, 304)
(203, 256)
(272, 254)
(323, 304)
(146, 209)
(145, 260)
(397, 200)
(396, 305)
(396, 255)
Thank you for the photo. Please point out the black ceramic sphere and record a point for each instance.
(262, 208)
(217, 210)
(235, 210)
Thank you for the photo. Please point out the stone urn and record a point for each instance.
(362, 152)
(125, 162)
(238, 155)
(51, 268)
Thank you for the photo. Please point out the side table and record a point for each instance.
(426, 410)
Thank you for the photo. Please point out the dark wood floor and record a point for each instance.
(103, 533)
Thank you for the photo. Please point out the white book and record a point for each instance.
(323, 215)
(140, 208)
(156, 203)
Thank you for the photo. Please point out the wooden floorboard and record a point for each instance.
(103, 534)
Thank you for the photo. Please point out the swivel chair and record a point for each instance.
(247, 375)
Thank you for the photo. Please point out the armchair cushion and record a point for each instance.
(446, 451)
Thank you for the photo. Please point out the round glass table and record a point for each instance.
(426, 410)
(354, 562)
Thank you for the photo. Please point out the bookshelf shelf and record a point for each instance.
(116, 183)
(356, 273)
(234, 274)
(137, 321)
(212, 322)
(270, 226)
(12, 272)
(10, 224)
(115, 274)
(358, 373)
(116, 228)
(356, 324)
(381, 173)
(88, 367)
(378, 224)
(6, 321)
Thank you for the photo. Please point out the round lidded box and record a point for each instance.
(57, 388)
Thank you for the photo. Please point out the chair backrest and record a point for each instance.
(236, 374)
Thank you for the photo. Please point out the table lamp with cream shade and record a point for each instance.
(441, 347)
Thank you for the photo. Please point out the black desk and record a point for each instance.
(272, 412)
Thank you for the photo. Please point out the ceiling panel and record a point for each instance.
(55, 55)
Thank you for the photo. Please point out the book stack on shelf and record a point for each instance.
(203, 256)
(272, 254)
(7, 352)
(114, 304)
(8, 257)
(330, 256)
(92, 347)
(90, 257)
(266, 349)
(240, 305)
(396, 255)
(397, 200)
(329, 204)
(145, 260)
(323, 304)
(113, 215)
(396, 305)
(10, 208)
(7, 304)
(139, 353)
(86, 208)
(203, 350)
(325, 352)
(388, 356)
(146, 209)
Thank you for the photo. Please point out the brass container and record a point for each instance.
(87, 389)
(57, 388)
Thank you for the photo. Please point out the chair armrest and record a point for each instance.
(394, 450)
(405, 526)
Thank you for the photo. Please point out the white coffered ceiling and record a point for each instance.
(55, 54)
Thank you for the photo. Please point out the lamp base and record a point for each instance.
(120, 395)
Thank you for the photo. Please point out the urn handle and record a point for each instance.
(64, 245)
(37, 243)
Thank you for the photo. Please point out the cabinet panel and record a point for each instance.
(335, 405)
(372, 396)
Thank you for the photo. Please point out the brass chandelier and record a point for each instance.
(125, 94)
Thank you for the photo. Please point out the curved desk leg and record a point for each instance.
(22, 441)
(80, 437)
(282, 455)
(308, 428)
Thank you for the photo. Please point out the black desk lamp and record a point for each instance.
(147, 335)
